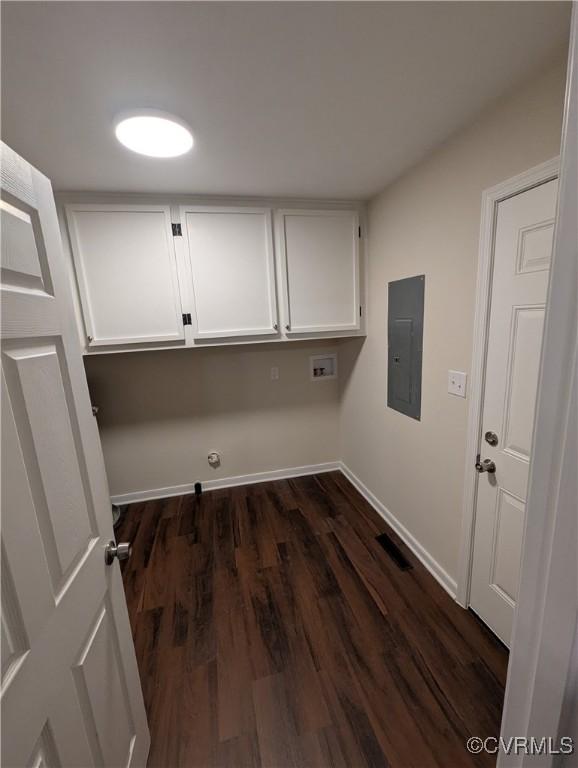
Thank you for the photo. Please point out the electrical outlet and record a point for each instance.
(457, 383)
(274, 373)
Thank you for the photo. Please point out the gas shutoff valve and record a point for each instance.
(214, 459)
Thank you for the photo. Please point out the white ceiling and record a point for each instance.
(289, 99)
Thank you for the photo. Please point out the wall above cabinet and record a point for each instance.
(186, 272)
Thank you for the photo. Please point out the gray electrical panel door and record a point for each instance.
(405, 342)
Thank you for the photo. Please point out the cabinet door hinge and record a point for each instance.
(177, 230)
(187, 319)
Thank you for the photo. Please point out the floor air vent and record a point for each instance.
(393, 551)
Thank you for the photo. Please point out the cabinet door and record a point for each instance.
(320, 252)
(125, 263)
(233, 272)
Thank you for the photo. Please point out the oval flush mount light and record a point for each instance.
(153, 132)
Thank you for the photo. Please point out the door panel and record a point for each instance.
(27, 596)
(507, 545)
(56, 518)
(233, 271)
(51, 456)
(19, 248)
(126, 268)
(522, 253)
(45, 754)
(535, 247)
(320, 251)
(524, 360)
(14, 637)
(101, 691)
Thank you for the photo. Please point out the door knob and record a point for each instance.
(120, 551)
(491, 438)
(485, 465)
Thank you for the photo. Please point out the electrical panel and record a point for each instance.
(405, 345)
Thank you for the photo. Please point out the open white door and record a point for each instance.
(542, 693)
(71, 694)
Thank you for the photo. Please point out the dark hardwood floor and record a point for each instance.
(273, 630)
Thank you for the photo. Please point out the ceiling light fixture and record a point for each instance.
(153, 132)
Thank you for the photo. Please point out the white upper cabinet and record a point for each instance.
(233, 270)
(126, 269)
(184, 272)
(320, 268)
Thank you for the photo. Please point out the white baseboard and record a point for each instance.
(224, 482)
(436, 570)
(419, 551)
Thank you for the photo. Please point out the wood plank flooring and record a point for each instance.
(272, 630)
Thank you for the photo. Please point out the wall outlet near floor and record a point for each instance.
(457, 383)
(214, 459)
(275, 373)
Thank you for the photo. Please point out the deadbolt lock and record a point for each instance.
(491, 438)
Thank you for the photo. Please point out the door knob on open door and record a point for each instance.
(486, 465)
(120, 551)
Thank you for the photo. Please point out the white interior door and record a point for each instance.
(70, 689)
(522, 252)
(320, 254)
(126, 269)
(233, 271)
